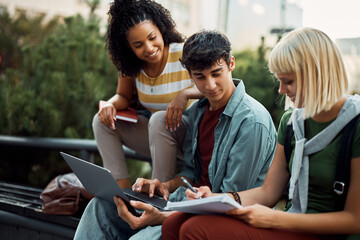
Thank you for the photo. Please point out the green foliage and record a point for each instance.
(60, 83)
(18, 32)
(50, 86)
(251, 67)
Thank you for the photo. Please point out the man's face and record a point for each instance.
(215, 83)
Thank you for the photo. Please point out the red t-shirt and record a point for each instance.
(206, 142)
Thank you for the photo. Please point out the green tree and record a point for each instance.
(251, 67)
(52, 91)
(15, 33)
(60, 83)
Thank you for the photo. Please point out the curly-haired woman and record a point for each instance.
(145, 47)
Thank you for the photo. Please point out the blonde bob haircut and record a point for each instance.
(318, 66)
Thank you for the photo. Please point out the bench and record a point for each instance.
(20, 209)
(85, 146)
(21, 216)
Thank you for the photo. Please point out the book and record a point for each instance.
(211, 205)
(128, 114)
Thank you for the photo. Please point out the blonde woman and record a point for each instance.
(311, 73)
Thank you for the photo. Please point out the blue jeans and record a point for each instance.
(100, 220)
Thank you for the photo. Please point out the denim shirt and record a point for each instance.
(245, 141)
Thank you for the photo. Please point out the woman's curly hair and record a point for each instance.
(123, 15)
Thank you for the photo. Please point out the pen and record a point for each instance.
(188, 184)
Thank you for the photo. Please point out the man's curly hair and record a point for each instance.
(204, 48)
(125, 14)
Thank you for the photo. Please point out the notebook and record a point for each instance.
(99, 182)
(211, 205)
(128, 114)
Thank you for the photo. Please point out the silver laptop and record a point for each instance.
(99, 182)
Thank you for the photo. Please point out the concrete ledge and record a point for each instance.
(85, 146)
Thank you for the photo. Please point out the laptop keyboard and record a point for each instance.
(156, 201)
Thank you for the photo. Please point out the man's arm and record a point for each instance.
(249, 158)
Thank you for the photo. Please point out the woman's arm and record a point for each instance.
(342, 222)
(124, 93)
(120, 100)
(177, 106)
(269, 193)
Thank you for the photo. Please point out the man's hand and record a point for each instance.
(151, 187)
(201, 192)
(151, 216)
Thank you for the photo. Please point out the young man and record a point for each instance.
(229, 145)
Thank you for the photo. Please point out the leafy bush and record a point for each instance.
(251, 67)
(61, 81)
(51, 90)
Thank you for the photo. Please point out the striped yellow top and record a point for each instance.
(156, 93)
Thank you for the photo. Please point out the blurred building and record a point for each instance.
(49, 8)
(350, 49)
(249, 20)
(244, 21)
(184, 12)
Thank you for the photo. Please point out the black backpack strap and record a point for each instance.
(342, 175)
(289, 133)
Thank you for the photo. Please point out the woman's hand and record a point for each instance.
(107, 115)
(151, 186)
(174, 111)
(150, 216)
(201, 192)
(256, 215)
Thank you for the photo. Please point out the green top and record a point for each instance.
(322, 164)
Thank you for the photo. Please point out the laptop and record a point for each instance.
(99, 182)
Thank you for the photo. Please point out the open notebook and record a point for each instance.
(211, 205)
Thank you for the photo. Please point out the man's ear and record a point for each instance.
(189, 72)
(232, 63)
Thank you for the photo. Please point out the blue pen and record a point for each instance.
(188, 184)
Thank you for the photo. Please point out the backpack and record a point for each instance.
(343, 161)
(64, 195)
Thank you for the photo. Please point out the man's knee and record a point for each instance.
(101, 210)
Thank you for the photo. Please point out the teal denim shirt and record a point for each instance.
(245, 141)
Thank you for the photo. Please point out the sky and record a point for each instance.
(337, 18)
(249, 19)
